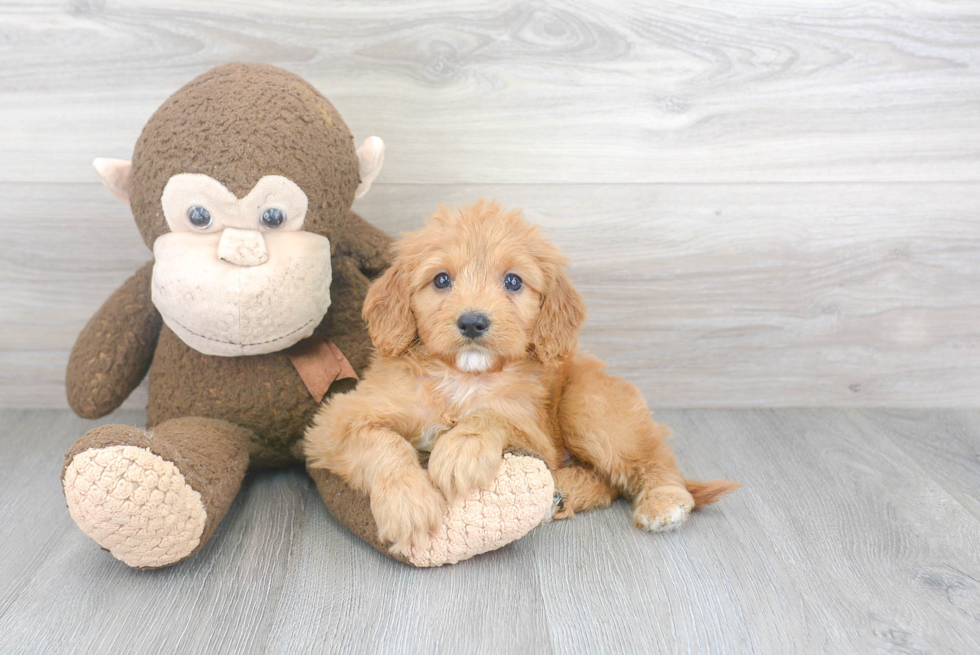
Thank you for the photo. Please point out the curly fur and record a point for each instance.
(523, 382)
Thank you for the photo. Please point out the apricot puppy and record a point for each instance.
(476, 325)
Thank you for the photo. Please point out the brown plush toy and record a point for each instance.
(248, 317)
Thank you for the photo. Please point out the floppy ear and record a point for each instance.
(388, 312)
(562, 313)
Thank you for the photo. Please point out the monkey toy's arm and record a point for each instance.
(113, 353)
(367, 245)
(343, 324)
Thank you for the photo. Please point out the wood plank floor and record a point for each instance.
(857, 531)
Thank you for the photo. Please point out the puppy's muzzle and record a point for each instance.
(473, 325)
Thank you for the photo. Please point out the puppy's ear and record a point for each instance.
(562, 313)
(388, 312)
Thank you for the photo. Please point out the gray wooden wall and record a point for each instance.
(767, 203)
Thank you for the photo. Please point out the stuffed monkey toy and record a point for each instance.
(247, 318)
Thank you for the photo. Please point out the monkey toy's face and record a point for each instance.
(239, 183)
(239, 276)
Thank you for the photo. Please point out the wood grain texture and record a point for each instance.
(843, 540)
(512, 91)
(342, 598)
(713, 295)
(766, 203)
(834, 498)
(944, 443)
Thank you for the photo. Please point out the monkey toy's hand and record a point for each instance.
(113, 353)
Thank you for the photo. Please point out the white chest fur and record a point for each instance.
(448, 396)
(463, 389)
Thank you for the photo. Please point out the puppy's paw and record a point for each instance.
(462, 462)
(662, 509)
(560, 508)
(407, 510)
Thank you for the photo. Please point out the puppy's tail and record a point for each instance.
(706, 493)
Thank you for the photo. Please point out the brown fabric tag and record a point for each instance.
(319, 363)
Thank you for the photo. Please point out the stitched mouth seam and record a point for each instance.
(243, 345)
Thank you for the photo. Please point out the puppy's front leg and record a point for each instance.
(375, 459)
(468, 456)
(405, 505)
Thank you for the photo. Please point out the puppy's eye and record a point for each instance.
(273, 217)
(199, 217)
(442, 281)
(513, 282)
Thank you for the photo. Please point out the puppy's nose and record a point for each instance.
(473, 325)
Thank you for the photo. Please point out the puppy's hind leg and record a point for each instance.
(582, 488)
(605, 422)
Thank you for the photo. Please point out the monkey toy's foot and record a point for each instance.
(134, 504)
(125, 491)
(521, 497)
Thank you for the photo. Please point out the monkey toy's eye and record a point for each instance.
(273, 217)
(513, 282)
(442, 281)
(199, 217)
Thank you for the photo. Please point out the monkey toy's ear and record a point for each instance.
(116, 174)
(370, 156)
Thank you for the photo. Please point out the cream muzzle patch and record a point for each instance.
(239, 276)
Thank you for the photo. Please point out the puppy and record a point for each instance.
(476, 326)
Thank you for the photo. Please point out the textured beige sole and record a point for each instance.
(520, 498)
(134, 504)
